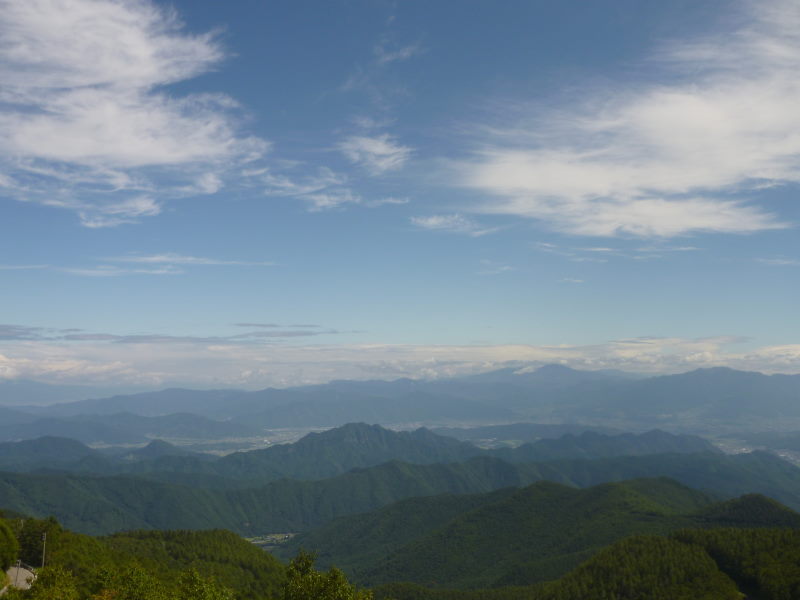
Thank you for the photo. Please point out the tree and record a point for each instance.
(131, 583)
(194, 587)
(9, 548)
(304, 583)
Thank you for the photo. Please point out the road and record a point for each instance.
(19, 578)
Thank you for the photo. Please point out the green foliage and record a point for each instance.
(751, 510)
(304, 583)
(9, 547)
(355, 542)
(101, 505)
(31, 536)
(218, 554)
(131, 583)
(519, 537)
(766, 561)
(144, 565)
(194, 587)
(535, 534)
(645, 567)
(637, 568)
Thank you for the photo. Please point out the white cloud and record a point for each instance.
(376, 154)
(324, 190)
(158, 360)
(21, 267)
(172, 258)
(85, 124)
(168, 263)
(282, 185)
(115, 213)
(662, 159)
(780, 262)
(452, 224)
(385, 55)
(114, 271)
(389, 200)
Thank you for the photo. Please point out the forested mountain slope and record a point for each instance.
(105, 504)
(519, 537)
(325, 454)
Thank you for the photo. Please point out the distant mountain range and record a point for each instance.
(717, 397)
(23, 391)
(321, 455)
(120, 428)
(250, 493)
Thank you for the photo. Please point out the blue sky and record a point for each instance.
(272, 193)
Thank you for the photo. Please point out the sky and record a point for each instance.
(273, 192)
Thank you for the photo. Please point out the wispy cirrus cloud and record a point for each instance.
(490, 267)
(168, 263)
(686, 154)
(22, 267)
(116, 271)
(85, 124)
(10, 332)
(376, 154)
(171, 258)
(603, 254)
(386, 53)
(324, 189)
(454, 223)
(780, 262)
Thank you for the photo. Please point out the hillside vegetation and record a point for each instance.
(689, 564)
(100, 505)
(516, 537)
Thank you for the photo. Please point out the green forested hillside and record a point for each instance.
(722, 564)
(765, 563)
(220, 554)
(689, 564)
(106, 504)
(9, 548)
(537, 534)
(519, 537)
(161, 556)
(645, 567)
(336, 451)
(100, 505)
(355, 542)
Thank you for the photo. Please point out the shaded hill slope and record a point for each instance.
(106, 504)
(333, 452)
(518, 537)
